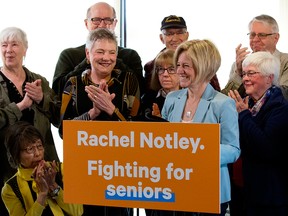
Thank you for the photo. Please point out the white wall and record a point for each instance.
(51, 26)
(224, 22)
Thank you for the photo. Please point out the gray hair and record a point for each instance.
(266, 63)
(266, 20)
(14, 34)
(99, 34)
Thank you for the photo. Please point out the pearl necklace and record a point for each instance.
(188, 114)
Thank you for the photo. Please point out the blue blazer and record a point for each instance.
(214, 107)
(263, 140)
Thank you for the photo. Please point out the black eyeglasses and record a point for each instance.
(98, 20)
(249, 73)
(32, 149)
(261, 36)
(170, 70)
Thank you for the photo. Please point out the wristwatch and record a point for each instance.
(55, 192)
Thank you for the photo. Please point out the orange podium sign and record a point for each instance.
(153, 165)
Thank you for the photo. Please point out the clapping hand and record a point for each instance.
(44, 175)
(241, 104)
(34, 90)
(41, 183)
(101, 98)
(50, 171)
(241, 53)
(25, 103)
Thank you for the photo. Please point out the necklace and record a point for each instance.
(188, 114)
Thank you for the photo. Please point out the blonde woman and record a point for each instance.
(197, 61)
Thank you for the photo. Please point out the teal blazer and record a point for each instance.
(214, 107)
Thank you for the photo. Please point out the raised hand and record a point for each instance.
(101, 97)
(94, 112)
(241, 53)
(41, 183)
(156, 110)
(50, 171)
(25, 103)
(241, 104)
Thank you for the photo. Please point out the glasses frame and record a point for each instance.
(170, 70)
(98, 20)
(32, 149)
(261, 36)
(249, 73)
(170, 34)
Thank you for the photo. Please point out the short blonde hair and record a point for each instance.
(204, 56)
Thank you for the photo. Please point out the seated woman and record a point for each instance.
(164, 80)
(37, 188)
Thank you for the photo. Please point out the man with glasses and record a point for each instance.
(263, 36)
(72, 61)
(173, 32)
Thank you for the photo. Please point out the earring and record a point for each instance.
(23, 61)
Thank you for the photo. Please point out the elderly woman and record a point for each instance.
(197, 61)
(263, 124)
(37, 187)
(24, 96)
(102, 93)
(164, 80)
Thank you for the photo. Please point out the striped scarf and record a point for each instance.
(255, 107)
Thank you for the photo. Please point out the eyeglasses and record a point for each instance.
(249, 73)
(98, 20)
(170, 34)
(32, 149)
(170, 70)
(261, 36)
